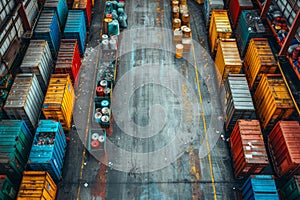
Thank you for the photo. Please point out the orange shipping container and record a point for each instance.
(59, 100)
(272, 101)
(248, 150)
(37, 185)
(258, 60)
(284, 145)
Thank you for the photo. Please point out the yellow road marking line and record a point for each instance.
(204, 125)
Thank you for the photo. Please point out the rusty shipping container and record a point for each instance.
(239, 103)
(272, 101)
(219, 28)
(37, 185)
(247, 147)
(59, 100)
(284, 143)
(258, 60)
(228, 59)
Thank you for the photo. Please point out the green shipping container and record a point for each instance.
(291, 190)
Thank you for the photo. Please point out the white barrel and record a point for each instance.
(113, 44)
(98, 116)
(105, 44)
(101, 138)
(105, 118)
(95, 136)
(105, 111)
(103, 83)
(104, 37)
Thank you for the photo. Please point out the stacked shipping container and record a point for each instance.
(48, 149)
(8, 190)
(86, 6)
(291, 190)
(61, 9)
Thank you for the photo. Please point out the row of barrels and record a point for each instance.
(260, 115)
(39, 106)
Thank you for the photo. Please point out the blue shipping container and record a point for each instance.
(48, 149)
(76, 28)
(260, 187)
(61, 8)
(47, 28)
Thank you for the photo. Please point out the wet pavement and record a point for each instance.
(198, 168)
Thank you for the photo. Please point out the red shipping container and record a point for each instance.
(284, 145)
(248, 150)
(68, 59)
(86, 6)
(235, 9)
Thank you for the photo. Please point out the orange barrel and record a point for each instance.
(179, 51)
(106, 21)
(177, 35)
(174, 4)
(176, 23)
(187, 32)
(185, 18)
(175, 12)
(100, 91)
(183, 2)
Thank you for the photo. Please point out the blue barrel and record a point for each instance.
(76, 28)
(260, 187)
(47, 28)
(48, 149)
(61, 9)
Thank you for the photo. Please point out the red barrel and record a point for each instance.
(100, 91)
(296, 53)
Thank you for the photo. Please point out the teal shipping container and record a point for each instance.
(291, 190)
(8, 191)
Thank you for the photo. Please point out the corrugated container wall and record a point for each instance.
(235, 9)
(48, 29)
(15, 145)
(284, 142)
(247, 148)
(31, 10)
(48, 149)
(228, 59)
(38, 60)
(272, 101)
(25, 100)
(258, 60)
(291, 190)
(239, 103)
(37, 185)
(68, 59)
(75, 28)
(210, 5)
(8, 191)
(249, 26)
(219, 28)
(61, 9)
(86, 6)
(260, 187)
(59, 100)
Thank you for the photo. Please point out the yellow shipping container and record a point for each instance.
(228, 60)
(37, 185)
(59, 100)
(219, 28)
(272, 100)
(259, 59)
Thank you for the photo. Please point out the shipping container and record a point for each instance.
(247, 148)
(47, 28)
(291, 190)
(86, 6)
(38, 60)
(59, 100)
(239, 104)
(210, 5)
(31, 10)
(48, 149)
(260, 187)
(272, 101)
(258, 60)
(249, 26)
(6, 82)
(61, 9)
(25, 100)
(228, 59)
(68, 59)
(76, 29)
(235, 9)
(8, 190)
(219, 28)
(37, 185)
(15, 144)
(284, 142)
